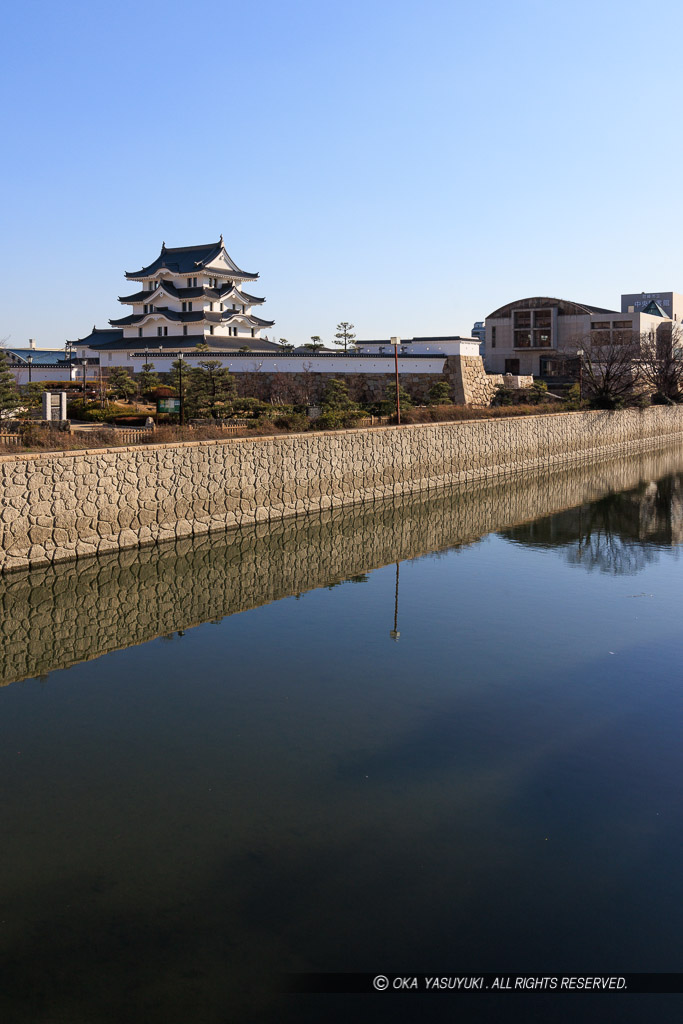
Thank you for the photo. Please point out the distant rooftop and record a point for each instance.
(40, 355)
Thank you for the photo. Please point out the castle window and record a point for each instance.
(189, 306)
(210, 330)
(253, 335)
(189, 282)
(159, 332)
(139, 332)
(184, 307)
(165, 331)
(185, 330)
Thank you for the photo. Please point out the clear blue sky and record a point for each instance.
(406, 166)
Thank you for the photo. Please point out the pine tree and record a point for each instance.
(389, 403)
(209, 385)
(146, 380)
(336, 395)
(9, 393)
(439, 393)
(345, 335)
(121, 382)
(32, 395)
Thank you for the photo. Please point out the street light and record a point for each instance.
(396, 342)
(394, 633)
(580, 354)
(180, 388)
(68, 356)
(30, 364)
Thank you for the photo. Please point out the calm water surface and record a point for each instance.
(252, 775)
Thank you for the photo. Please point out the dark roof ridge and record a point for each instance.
(188, 248)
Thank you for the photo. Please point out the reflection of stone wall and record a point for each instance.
(62, 506)
(57, 615)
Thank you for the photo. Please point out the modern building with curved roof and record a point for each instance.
(535, 335)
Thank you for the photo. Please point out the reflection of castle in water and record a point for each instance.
(52, 617)
(619, 533)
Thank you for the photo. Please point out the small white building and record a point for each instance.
(38, 365)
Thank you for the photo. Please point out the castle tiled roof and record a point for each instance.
(176, 343)
(39, 356)
(188, 259)
(98, 336)
(211, 294)
(194, 317)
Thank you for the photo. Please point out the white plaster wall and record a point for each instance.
(40, 374)
(268, 363)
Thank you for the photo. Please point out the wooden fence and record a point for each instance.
(10, 438)
(372, 421)
(131, 435)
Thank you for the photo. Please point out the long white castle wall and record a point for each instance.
(254, 363)
(40, 374)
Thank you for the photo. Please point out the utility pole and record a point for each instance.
(396, 342)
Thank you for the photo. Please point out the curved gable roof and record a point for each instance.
(187, 259)
(564, 307)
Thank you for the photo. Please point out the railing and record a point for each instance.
(131, 435)
(372, 421)
(10, 438)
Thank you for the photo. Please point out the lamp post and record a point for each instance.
(180, 388)
(396, 342)
(579, 353)
(68, 356)
(30, 364)
(394, 633)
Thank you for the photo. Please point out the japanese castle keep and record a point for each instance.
(193, 292)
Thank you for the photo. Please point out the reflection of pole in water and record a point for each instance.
(394, 633)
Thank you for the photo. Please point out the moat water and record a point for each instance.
(437, 735)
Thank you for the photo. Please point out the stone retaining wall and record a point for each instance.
(61, 506)
(55, 616)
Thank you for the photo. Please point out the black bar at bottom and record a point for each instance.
(491, 983)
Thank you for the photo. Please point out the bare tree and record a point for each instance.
(661, 363)
(606, 365)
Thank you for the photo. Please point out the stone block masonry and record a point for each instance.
(67, 505)
(75, 611)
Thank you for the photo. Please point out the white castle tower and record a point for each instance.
(195, 293)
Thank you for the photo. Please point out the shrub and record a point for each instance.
(163, 391)
(537, 392)
(249, 406)
(502, 396)
(440, 393)
(295, 421)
